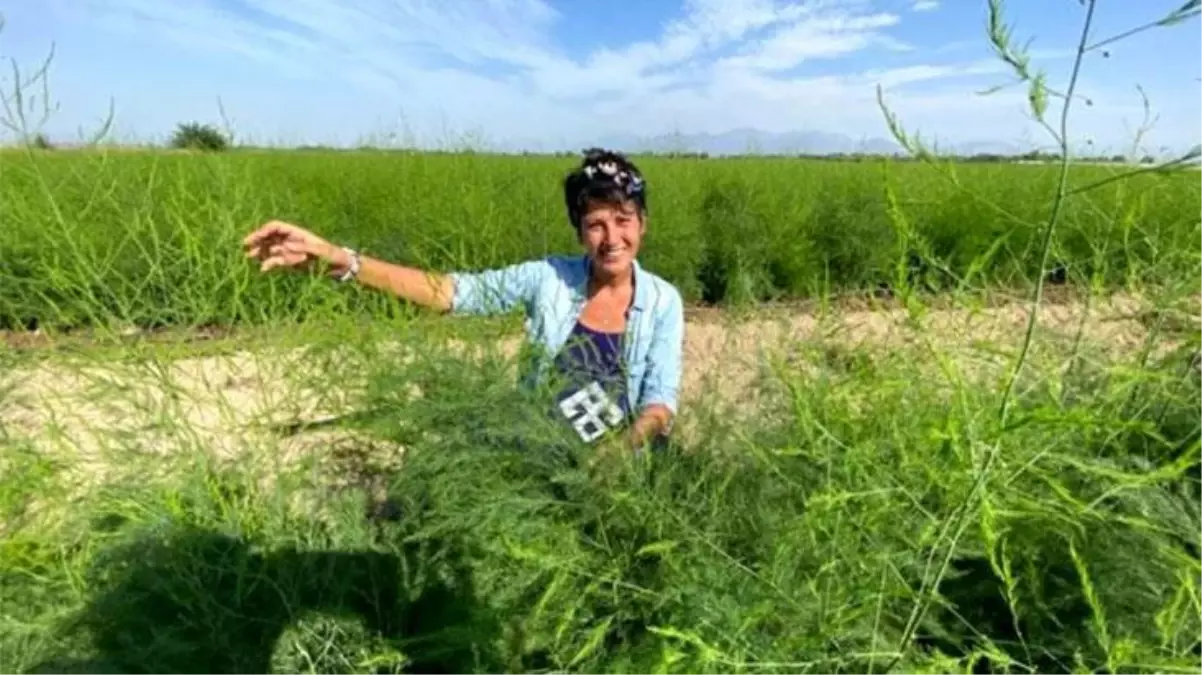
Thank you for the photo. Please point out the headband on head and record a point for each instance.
(600, 170)
(615, 168)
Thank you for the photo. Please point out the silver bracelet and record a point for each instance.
(356, 264)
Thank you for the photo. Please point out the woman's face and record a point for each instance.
(611, 235)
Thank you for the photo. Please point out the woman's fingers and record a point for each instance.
(281, 257)
(279, 253)
(280, 244)
(270, 229)
(289, 247)
(271, 263)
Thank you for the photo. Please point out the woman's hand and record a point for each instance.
(655, 420)
(280, 244)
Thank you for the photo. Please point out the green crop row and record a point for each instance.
(835, 531)
(153, 239)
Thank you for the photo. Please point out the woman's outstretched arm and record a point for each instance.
(428, 289)
(281, 244)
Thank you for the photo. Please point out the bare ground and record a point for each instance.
(102, 416)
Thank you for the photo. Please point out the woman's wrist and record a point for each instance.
(337, 257)
(342, 263)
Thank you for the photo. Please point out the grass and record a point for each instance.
(152, 240)
(331, 483)
(798, 543)
(165, 513)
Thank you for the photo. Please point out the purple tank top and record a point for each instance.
(594, 400)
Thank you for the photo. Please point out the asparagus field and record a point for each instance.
(329, 483)
(139, 239)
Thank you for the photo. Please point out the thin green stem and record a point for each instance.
(1053, 219)
(960, 515)
(1184, 12)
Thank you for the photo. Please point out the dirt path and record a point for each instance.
(218, 404)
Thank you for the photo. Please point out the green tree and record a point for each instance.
(196, 136)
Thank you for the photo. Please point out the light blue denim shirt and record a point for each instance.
(552, 291)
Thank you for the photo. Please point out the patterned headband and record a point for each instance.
(629, 181)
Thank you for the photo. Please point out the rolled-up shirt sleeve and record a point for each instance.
(496, 291)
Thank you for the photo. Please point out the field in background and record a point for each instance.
(145, 239)
(845, 495)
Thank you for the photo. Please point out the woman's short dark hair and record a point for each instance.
(603, 176)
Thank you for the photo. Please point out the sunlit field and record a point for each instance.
(880, 464)
(207, 469)
(152, 240)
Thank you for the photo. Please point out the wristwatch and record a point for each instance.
(356, 263)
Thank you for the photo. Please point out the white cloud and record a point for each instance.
(821, 37)
(924, 5)
(495, 66)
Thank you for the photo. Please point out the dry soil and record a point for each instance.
(100, 416)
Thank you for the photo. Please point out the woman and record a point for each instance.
(611, 331)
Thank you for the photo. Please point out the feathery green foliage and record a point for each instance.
(153, 239)
(1022, 502)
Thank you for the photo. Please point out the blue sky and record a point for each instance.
(546, 74)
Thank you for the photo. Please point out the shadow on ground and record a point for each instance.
(199, 601)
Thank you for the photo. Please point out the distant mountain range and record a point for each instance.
(754, 141)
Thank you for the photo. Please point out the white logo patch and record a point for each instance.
(591, 412)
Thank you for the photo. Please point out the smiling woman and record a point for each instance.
(610, 331)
